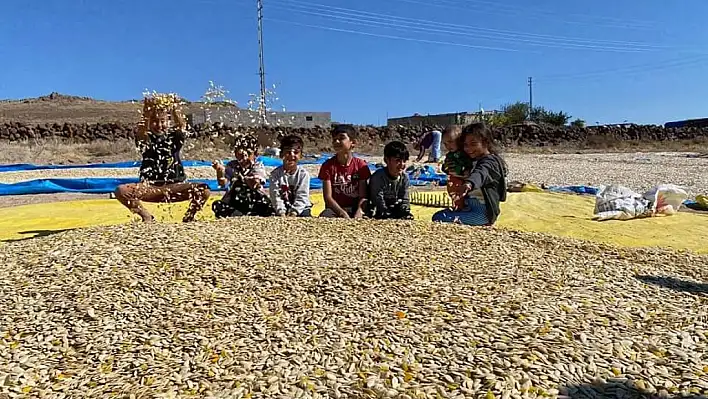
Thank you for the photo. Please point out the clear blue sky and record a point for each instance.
(604, 61)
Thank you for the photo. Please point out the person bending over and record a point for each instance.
(388, 186)
(160, 136)
(244, 178)
(430, 139)
(485, 187)
(344, 177)
(290, 183)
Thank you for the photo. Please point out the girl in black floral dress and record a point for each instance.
(244, 178)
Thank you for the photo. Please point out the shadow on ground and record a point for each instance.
(676, 284)
(627, 390)
(35, 234)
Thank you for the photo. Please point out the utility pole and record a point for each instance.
(530, 96)
(261, 67)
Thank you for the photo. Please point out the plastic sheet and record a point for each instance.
(557, 214)
(96, 185)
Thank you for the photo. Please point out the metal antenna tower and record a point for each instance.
(261, 67)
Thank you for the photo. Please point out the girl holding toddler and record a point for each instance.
(484, 187)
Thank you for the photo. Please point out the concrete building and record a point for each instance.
(703, 122)
(244, 117)
(455, 118)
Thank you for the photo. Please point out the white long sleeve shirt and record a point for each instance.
(290, 192)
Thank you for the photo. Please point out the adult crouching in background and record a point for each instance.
(160, 138)
(431, 139)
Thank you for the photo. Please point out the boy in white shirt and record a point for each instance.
(290, 183)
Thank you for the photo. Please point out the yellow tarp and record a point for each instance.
(559, 214)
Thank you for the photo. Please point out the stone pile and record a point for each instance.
(524, 134)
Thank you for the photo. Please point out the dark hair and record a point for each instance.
(246, 142)
(480, 131)
(396, 149)
(291, 141)
(349, 130)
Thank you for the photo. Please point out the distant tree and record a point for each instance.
(497, 120)
(559, 118)
(519, 112)
(514, 113)
(578, 123)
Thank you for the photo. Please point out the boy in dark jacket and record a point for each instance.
(388, 186)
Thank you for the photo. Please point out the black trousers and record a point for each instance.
(245, 202)
(395, 211)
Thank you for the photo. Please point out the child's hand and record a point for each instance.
(217, 165)
(358, 214)
(292, 214)
(253, 182)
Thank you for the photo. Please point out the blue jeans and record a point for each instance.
(473, 214)
(435, 151)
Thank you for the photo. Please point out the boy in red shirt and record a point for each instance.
(344, 177)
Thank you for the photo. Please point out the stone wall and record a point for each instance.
(531, 135)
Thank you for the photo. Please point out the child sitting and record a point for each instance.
(388, 187)
(290, 183)
(244, 178)
(457, 165)
(344, 177)
(485, 186)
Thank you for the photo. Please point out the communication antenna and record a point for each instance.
(261, 67)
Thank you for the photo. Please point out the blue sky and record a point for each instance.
(603, 61)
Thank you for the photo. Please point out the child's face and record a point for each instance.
(450, 141)
(244, 157)
(160, 122)
(395, 166)
(291, 156)
(342, 143)
(474, 147)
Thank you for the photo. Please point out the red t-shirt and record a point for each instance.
(345, 179)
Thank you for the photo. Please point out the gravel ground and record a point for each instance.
(197, 310)
(639, 171)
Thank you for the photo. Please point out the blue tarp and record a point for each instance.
(574, 190)
(94, 185)
(18, 167)
(108, 185)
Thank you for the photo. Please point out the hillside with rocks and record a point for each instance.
(83, 119)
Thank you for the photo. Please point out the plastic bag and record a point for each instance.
(620, 203)
(666, 198)
(702, 200)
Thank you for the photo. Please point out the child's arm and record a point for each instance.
(257, 178)
(403, 195)
(220, 170)
(276, 193)
(302, 192)
(364, 174)
(142, 133)
(376, 192)
(330, 202)
(487, 170)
